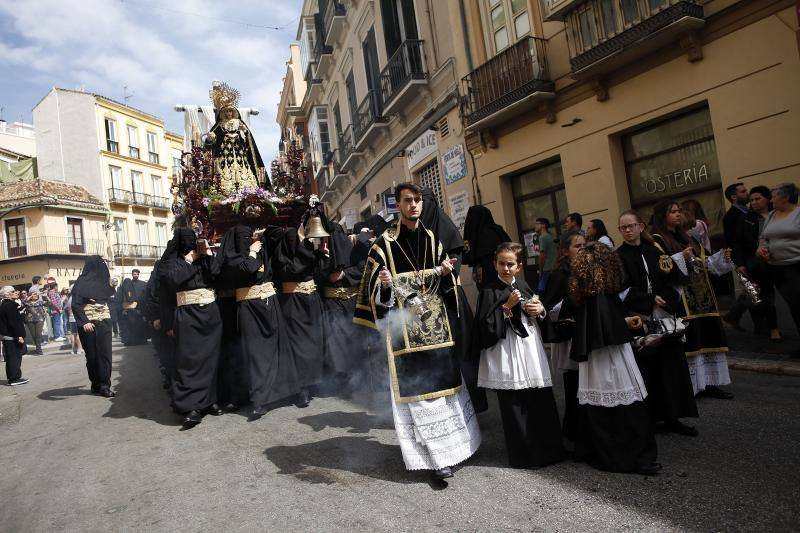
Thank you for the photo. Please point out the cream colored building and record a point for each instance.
(381, 104)
(594, 106)
(121, 155)
(17, 141)
(48, 229)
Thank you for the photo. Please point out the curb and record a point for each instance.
(778, 368)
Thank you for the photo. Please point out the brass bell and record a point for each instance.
(314, 229)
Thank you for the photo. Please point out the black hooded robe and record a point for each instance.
(296, 262)
(458, 310)
(530, 416)
(133, 292)
(620, 438)
(481, 238)
(198, 331)
(664, 367)
(92, 290)
(269, 366)
(343, 357)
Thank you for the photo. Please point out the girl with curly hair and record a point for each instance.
(615, 432)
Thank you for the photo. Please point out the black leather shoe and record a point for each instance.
(676, 426)
(732, 322)
(303, 399)
(442, 473)
(651, 469)
(259, 411)
(191, 419)
(713, 391)
(106, 393)
(95, 390)
(213, 410)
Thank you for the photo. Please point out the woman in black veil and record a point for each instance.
(482, 236)
(458, 310)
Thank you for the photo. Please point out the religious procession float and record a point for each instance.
(224, 181)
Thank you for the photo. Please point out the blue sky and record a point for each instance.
(166, 52)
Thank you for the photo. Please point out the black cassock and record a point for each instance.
(530, 416)
(134, 292)
(198, 332)
(558, 332)
(650, 273)
(151, 308)
(620, 438)
(269, 367)
(297, 262)
(343, 354)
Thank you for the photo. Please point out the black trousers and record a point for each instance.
(570, 424)
(97, 345)
(12, 351)
(787, 282)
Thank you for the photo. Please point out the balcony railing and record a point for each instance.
(324, 184)
(405, 66)
(49, 245)
(628, 30)
(320, 48)
(120, 196)
(138, 251)
(516, 75)
(368, 114)
(345, 145)
(334, 12)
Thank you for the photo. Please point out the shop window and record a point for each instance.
(75, 236)
(15, 237)
(676, 158)
(538, 193)
(429, 177)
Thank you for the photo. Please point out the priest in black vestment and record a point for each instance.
(406, 274)
(133, 291)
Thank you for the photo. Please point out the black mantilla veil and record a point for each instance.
(481, 235)
(94, 282)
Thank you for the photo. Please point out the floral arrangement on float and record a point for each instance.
(224, 181)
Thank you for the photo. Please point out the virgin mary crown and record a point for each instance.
(223, 95)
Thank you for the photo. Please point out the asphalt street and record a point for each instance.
(71, 461)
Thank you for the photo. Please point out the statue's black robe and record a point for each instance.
(198, 332)
(664, 368)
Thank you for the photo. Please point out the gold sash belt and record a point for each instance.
(97, 312)
(256, 292)
(196, 297)
(226, 293)
(305, 287)
(340, 293)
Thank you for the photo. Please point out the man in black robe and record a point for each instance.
(270, 370)
(133, 291)
(155, 302)
(297, 263)
(340, 277)
(197, 328)
(406, 274)
(90, 296)
(481, 238)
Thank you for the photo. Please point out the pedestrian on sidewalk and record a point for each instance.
(56, 310)
(35, 315)
(547, 252)
(780, 246)
(72, 325)
(113, 306)
(90, 305)
(12, 333)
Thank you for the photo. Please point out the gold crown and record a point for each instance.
(223, 95)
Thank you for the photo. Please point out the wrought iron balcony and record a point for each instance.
(323, 54)
(120, 196)
(514, 80)
(50, 245)
(160, 202)
(368, 117)
(138, 251)
(347, 150)
(324, 185)
(334, 19)
(627, 31)
(405, 69)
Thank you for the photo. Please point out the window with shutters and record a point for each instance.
(429, 177)
(111, 136)
(508, 21)
(15, 237)
(75, 235)
(152, 147)
(133, 142)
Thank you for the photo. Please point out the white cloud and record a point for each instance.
(165, 52)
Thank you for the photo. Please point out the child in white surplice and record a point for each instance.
(514, 363)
